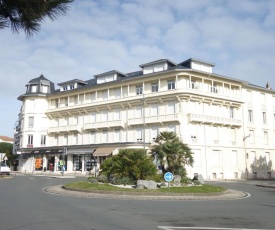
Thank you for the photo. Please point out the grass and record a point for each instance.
(85, 185)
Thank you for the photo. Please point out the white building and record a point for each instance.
(228, 123)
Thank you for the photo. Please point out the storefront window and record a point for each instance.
(77, 159)
(62, 162)
(86, 159)
(38, 162)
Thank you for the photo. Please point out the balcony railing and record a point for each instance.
(104, 124)
(154, 119)
(67, 128)
(214, 120)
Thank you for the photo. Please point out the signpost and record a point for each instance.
(168, 177)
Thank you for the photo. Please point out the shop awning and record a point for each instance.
(80, 151)
(101, 152)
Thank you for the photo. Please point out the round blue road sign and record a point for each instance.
(168, 176)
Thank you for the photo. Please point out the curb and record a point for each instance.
(227, 195)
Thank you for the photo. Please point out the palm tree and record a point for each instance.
(172, 153)
(28, 14)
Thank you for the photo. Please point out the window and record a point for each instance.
(215, 135)
(43, 140)
(154, 109)
(138, 112)
(93, 117)
(56, 103)
(45, 88)
(251, 137)
(250, 115)
(265, 138)
(233, 136)
(74, 139)
(117, 135)
(231, 112)
(56, 139)
(216, 157)
(118, 93)
(34, 88)
(234, 158)
(31, 122)
(171, 107)
(105, 94)
(104, 136)
(139, 134)
(139, 89)
(30, 139)
(65, 139)
(214, 89)
(71, 86)
(171, 84)
(64, 88)
(155, 87)
(171, 128)
(117, 114)
(264, 117)
(154, 133)
(104, 116)
(193, 84)
(92, 137)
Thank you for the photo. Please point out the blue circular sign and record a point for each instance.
(168, 176)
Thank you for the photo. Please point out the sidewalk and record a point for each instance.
(51, 174)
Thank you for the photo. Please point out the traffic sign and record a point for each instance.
(168, 176)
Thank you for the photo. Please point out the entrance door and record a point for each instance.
(77, 163)
(50, 164)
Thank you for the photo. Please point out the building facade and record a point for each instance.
(228, 123)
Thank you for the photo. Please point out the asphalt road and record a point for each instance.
(25, 206)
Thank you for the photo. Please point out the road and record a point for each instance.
(25, 206)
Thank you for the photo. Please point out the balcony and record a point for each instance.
(62, 129)
(154, 119)
(104, 125)
(198, 118)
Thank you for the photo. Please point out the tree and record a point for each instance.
(7, 149)
(132, 163)
(172, 153)
(27, 15)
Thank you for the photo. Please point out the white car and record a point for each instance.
(4, 169)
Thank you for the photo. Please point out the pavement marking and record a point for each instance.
(204, 228)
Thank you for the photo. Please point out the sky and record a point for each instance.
(98, 36)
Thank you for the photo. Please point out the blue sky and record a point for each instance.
(98, 36)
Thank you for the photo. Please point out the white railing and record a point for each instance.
(104, 124)
(67, 128)
(154, 119)
(213, 120)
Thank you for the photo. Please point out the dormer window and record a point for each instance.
(34, 88)
(64, 88)
(71, 86)
(157, 66)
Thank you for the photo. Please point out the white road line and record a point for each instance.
(204, 228)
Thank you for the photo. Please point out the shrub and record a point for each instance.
(123, 180)
(157, 178)
(102, 178)
(185, 180)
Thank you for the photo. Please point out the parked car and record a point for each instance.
(4, 169)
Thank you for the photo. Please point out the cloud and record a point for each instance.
(99, 36)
